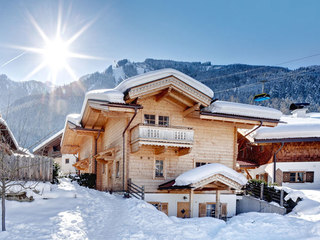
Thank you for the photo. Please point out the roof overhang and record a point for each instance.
(239, 119)
(288, 140)
(214, 182)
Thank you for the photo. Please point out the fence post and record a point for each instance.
(142, 192)
(281, 198)
(261, 191)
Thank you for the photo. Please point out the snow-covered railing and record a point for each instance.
(166, 134)
(134, 190)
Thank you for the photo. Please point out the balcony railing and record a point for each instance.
(170, 135)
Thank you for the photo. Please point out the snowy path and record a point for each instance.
(76, 213)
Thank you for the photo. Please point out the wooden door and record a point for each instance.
(109, 177)
(183, 209)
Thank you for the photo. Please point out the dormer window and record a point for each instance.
(149, 119)
(163, 121)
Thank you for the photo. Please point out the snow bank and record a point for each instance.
(155, 75)
(240, 109)
(307, 127)
(200, 173)
(68, 211)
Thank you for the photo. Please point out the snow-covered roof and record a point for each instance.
(155, 75)
(240, 109)
(108, 95)
(200, 173)
(48, 140)
(292, 128)
(14, 141)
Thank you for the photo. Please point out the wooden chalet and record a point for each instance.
(8, 143)
(156, 126)
(288, 154)
(50, 147)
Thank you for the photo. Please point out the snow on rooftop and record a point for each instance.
(200, 173)
(293, 127)
(108, 95)
(4, 123)
(48, 140)
(240, 109)
(155, 75)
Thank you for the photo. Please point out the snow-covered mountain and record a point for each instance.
(36, 112)
(11, 91)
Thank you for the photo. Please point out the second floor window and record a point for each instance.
(159, 168)
(149, 119)
(163, 120)
(67, 160)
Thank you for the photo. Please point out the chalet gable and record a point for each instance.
(167, 83)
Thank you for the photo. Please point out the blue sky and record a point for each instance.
(223, 32)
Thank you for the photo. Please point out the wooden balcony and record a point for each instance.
(162, 137)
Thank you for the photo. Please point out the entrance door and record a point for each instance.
(183, 210)
(110, 177)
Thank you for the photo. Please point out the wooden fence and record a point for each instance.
(31, 168)
(134, 190)
(269, 194)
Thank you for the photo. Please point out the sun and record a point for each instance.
(55, 54)
(55, 51)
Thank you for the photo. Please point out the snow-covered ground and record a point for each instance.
(73, 212)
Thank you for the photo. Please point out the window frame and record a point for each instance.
(155, 168)
(167, 121)
(148, 117)
(296, 176)
(117, 169)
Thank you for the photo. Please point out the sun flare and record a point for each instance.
(55, 54)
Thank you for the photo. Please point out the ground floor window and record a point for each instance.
(209, 210)
(298, 177)
(161, 206)
(117, 169)
(199, 164)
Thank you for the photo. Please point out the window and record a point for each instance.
(163, 121)
(198, 164)
(298, 177)
(163, 207)
(211, 210)
(117, 169)
(159, 168)
(149, 119)
(67, 160)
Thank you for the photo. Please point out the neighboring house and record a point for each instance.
(288, 154)
(51, 148)
(154, 129)
(7, 140)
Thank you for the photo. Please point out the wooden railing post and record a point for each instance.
(281, 197)
(261, 191)
(142, 193)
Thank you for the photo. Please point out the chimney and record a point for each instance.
(299, 110)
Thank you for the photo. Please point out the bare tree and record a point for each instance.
(12, 178)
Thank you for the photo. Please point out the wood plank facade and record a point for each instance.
(166, 135)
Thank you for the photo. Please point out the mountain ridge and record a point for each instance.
(35, 115)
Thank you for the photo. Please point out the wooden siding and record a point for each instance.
(213, 143)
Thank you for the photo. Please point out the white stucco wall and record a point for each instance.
(68, 168)
(173, 199)
(293, 166)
